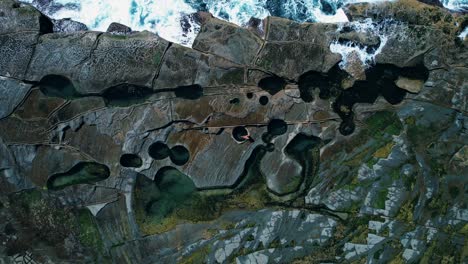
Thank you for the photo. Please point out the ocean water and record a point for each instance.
(366, 55)
(455, 5)
(165, 17)
(464, 33)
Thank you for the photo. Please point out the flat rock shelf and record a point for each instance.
(277, 142)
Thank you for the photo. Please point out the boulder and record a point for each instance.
(367, 39)
(117, 28)
(354, 66)
(410, 85)
(67, 25)
(17, 17)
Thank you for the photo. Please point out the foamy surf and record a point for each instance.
(366, 55)
(165, 17)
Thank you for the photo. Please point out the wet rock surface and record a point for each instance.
(118, 28)
(259, 145)
(68, 25)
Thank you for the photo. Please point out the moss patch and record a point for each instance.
(45, 221)
(383, 123)
(375, 140)
(383, 152)
(197, 257)
(88, 232)
(379, 200)
(405, 213)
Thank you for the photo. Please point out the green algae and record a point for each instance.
(197, 257)
(88, 231)
(175, 189)
(82, 173)
(383, 123)
(379, 200)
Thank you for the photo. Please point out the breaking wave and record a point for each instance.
(171, 18)
(456, 5)
(366, 54)
(165, 17)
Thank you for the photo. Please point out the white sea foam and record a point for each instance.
(161, 16)
(463, 34)
(238, 11)
(455, 5)
(380, 30)
(164, 16)
(340, 16)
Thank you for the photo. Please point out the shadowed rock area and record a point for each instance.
(263, 144)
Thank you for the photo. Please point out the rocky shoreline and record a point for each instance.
(260, 144)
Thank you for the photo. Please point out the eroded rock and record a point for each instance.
(410, 85)
(256, 145)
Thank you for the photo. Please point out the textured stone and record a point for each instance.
(388, 188)
(61, 54)
(17, 17)
(290, 46)
(410, 85)
(290, 58)
(193, 67)
(406, 45)
(16, 50)
(133, 58)
(12, 94)
(230, 41)
(68, 25)
(118, 28)
(354, 66)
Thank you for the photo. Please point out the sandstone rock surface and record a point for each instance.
(253, 146)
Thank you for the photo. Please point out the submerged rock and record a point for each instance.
(410, 85)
